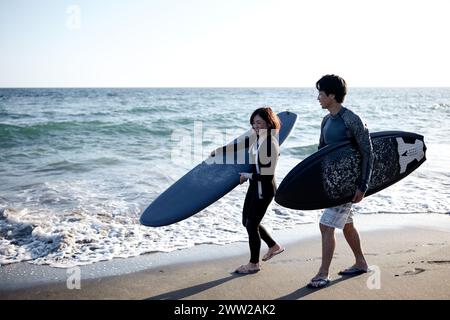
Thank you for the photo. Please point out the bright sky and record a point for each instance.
(223, 43)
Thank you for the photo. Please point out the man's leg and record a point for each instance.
(352, 237)
(328, 246)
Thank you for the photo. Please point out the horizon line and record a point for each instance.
(216, 87)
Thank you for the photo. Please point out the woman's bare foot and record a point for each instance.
(273, 251)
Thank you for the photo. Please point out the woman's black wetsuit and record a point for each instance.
(260, 193)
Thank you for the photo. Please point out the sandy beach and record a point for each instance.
(409, 256)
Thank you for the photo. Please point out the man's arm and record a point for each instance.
(362, 137)
(322, 139)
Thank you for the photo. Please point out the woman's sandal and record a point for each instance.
(245, 269)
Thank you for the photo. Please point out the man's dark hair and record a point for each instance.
(333, 84)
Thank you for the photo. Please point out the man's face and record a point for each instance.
(325, 100)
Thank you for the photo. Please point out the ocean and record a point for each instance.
(78, 166)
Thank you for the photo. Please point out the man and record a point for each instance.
(339, 125)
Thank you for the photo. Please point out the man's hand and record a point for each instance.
(359, 195)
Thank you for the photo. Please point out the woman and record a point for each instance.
(264, 153)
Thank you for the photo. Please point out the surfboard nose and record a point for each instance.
(143, 221)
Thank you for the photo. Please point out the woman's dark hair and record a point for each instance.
(272, 120)
(333, 84)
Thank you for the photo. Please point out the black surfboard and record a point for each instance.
(329, 177)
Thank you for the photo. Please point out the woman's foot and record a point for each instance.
(248, 268)
(273, 251)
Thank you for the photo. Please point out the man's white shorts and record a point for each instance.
(337, 217)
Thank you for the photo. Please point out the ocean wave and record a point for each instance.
(24, 240)
(11, 135)
(14, 116)
(78, 167)
(301, 151)
(441, 106)
(33, 130)
(111, 230)
(64, 166)
(158, 109)
(143, 110)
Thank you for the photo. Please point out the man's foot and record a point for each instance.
(273, 251)
(320, 280)
(317, 283)
(354, 270)
(248, 268)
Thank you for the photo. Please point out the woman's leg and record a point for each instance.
(255, 231)
(254, 239)
(266, 236)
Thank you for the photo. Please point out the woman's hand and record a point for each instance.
(244, 177)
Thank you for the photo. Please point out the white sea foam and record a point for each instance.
(81, 237)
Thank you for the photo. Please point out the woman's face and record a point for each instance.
(259, 123)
